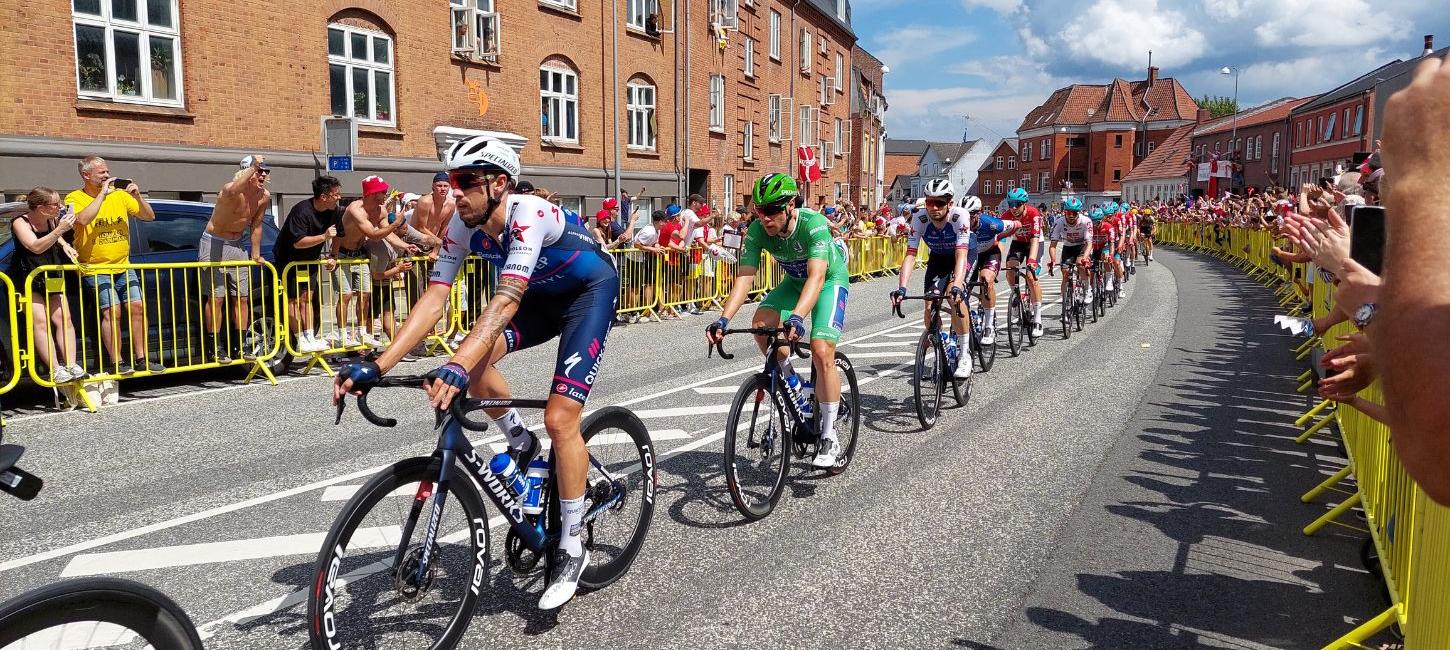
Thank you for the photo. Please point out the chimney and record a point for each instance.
(1203, 116)
(1429, 45)
(1152, 75)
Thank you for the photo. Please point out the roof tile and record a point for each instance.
(1169, 160)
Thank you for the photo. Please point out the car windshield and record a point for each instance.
(8, 212)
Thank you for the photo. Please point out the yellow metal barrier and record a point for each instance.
(638, 293)
(684, 282)
(18, 312)
(1411, 534)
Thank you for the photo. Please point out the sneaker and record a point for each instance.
(1037, 330)
(332, 338)
(222, 355)
(348, 341)
(249, 347)
(153, 366)
(964, 367)
(409, 358)
(827, 452)
(565, 580)
(61, 375)
(77, 373)
(989, 336)
(124, 368)
(368, 340)
(1150, 257)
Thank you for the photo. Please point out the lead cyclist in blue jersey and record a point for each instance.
(946, 229)
(553, 281)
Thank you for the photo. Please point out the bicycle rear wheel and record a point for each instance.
(927, 378)
(1065, 317)
(987, 354)
(848, 415)
(757, 449)
(365, 588)
(618, 444)
(96, 612)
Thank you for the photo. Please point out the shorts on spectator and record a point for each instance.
(232, 280)
(353, 278)
(113, 289)
(640, 267)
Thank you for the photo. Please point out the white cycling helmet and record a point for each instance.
(921, 204)
(939, 187)
(485, 152)
(971, 203)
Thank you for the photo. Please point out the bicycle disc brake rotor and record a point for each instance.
(406, 576)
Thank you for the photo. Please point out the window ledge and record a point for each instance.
(473, 60)
(717, 130)
(384, 131)
(640, 33)
(561, 145)
(560, 9)
(104, 106)
(637, 152)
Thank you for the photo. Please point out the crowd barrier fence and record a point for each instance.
(1410, 532)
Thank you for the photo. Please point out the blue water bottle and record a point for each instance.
(797, 392)
(535, 478)
(949, 343)
(504, 468)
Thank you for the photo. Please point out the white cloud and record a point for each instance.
(1299, 77)
(1099, 34)
(999, 6)
(935, 113)
(1223, 9)
(905, 44)
(923, 100)
(1326, 23)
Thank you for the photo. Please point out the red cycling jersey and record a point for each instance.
(1031, 224)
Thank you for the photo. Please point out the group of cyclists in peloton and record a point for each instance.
(555, 281)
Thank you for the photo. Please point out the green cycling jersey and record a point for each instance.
(810, 240)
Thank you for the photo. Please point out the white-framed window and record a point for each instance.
(806, 132)
(1358, 119)
(748, 142)
(825, 44)
(637, 12)
(1042, 181)
(806, 53)
(559, 93)
(1258, 147)
(824, 90)
(775, 34)
(827, 156)
(1011, 184)
(1027, 152)
(1150, 146)
(999, 187)
(729, 192)
(571, 5)
(1319, 129)
(717, 102)
(1025, 182)
(1000, 162)
(360, 72)
(640, 101)
(725, 13)
(1329, 128)
(116, 40)
(749, 57)
(1011, 162)
(836, 80)
(772, 119)
(1046, 151)
(837, 137)
(475, 29)
(838, 192)
(1274, 147)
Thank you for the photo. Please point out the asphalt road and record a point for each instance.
(1038, 516)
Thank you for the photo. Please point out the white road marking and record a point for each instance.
(682, 411)
(903, 335)
(881, 355)
(887, 344)
(345, 492)
(716, 390)
(163, 557)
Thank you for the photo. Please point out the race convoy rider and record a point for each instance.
(947, 231)
(1147, 230)
(553, 281)
(989, 231)
(1075, 232)
(1024, 249)
(1104, 239)
(816, 284)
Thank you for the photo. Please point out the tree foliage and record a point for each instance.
(1218, 106)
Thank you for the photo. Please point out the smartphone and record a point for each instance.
(120, 183)
(1367, 237)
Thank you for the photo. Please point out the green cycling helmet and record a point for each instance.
(774, 189)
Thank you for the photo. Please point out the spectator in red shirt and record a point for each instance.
(673, 241)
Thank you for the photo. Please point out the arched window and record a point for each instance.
(559, 94)
(640, 101)
(360, 73)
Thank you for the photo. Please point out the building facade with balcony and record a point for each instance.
(1254, 140)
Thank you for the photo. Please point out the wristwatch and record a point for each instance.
(1364, 315)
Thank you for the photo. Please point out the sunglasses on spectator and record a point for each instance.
(770, 210)
(264, 172)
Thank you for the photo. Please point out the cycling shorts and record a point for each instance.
(828, 317)
(1019, 251)
(1099, 253)
(939, 270)
(989, 260)
(581, 321)
(1071, 253)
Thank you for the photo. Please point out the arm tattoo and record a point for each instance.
(508, 295)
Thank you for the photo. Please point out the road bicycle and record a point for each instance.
(90, 612)
(1100, 282)
(388, 581)
(977, 292)
(934, 369)
(1074, 300)
(765, 424)
(1019, 320)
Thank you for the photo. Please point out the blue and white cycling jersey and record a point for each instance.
(989, 228)
(538, 245)
(954, 233)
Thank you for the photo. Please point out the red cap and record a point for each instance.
(611, 203)
(704, 210)
(373, 185)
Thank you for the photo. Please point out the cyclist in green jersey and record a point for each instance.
(816, 284)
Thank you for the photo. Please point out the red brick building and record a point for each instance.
(1163, 175)
(1258, 139)
(1328, 131)
(999, 174)
(1088, 137)
(868, 108)
(903, 161)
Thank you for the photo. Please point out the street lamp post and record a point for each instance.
(1234, 135)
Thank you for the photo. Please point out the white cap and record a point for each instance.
(409, 197)
(247, 162)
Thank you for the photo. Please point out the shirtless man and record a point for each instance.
(238, 211)
(435, 210)
(369, 232)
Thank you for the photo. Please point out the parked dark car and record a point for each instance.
(174, 298)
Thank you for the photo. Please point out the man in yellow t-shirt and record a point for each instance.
(102, 234)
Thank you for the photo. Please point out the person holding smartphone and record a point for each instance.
(40, 234)
(104, 207)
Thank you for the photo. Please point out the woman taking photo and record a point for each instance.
(39, 235)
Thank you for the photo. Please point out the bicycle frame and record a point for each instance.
(772, 368)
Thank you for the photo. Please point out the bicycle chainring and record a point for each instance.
(519, 557)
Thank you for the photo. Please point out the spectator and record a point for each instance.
(641, 266)
(310, 224)
(602, 222)
(104, 207)
(434, 211)
(386, 237)
(239, 209)
(1407, 337)
(40, 237)
(671, 240)
(354, 280)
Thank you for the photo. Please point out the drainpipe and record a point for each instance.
(795, 71)
(614, 20)
(685, 177)
(674, 13)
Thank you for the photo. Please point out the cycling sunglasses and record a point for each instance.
(770, 210)
(1016, 204)
(467, 180)
(936, 203)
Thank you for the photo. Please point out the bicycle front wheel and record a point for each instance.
(93, 613)
(928, 378)
(1014, 324)
(987, 354)
(621, 472)
(757, 449)
(848, 415)
(1066, 316)
(371, 588)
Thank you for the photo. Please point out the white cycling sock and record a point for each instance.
(513, 428)
(308, 335)
(1036, 311)
(828, 419)
(962, 343)
(989, 318)
(570, 513)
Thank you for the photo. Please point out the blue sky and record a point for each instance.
(994, 60)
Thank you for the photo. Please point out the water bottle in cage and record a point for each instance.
(795, 387)
(949, 343)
